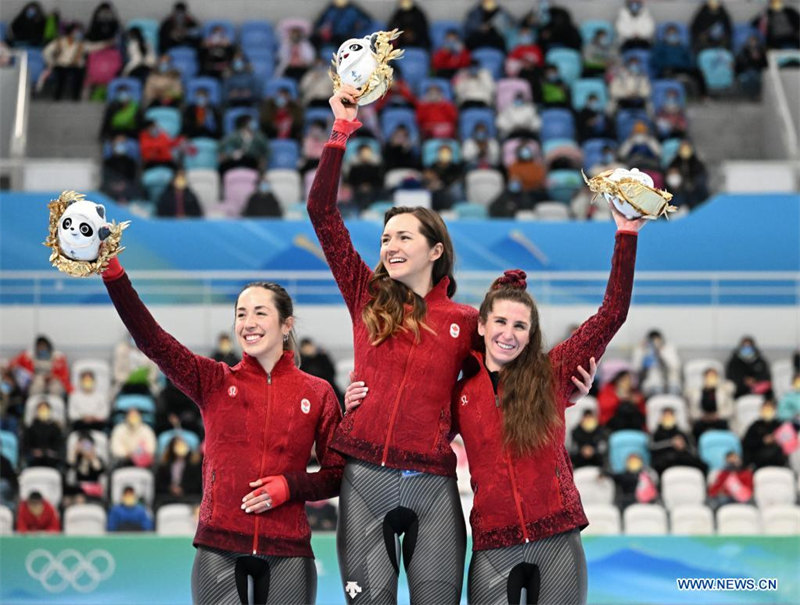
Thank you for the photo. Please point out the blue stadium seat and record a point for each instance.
(211, 85)
(622, 444)
(669, 149)
(715, 444)
(682, 28)
(430, 149)
(226, 25)
(190, 437)
(9, 445)
(590, 26)
(626, 118)
(205, 156)
(314, 114)
(660, 88)
(143, 403)
(557, 124)
(131, 149)
(229, 118)
(36, 65)
(149, 29)
(439, 29)
(741, 32)
(327, 52)
(184, 59)
(469, 118)
(562, 184)
(492, 59)
(593, 151)
(262, 62)
(415, 66)
(283, 153)
(392, 117)
(442, 83)
(568, 62)
(257, 35)
(469, 210)
(134, 87)
(644, 59)
(272, 87)
(583, 87)
(553, 144)
(155, 180)
(168, 118)
(717, 67)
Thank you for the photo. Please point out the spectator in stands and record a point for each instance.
(670, 119)
(592, 121)
(179, 477)
(411, 20)
(511, 200)
(630, 85)
(157, 148)
(281, 117)
(133, 371)
(589, 442)
(399, 95)
(635, 25)
(245, 147)
(552, 90)
(443, 179)
(129, 514)
(339, 21)
(178, 200)
(779, 24)
(451, 56)
(598, 55)
(224, 351)
(733, 484)
(641, 148)
(607, 161)
(318, 362)
(216, 52)
(316, 86)
(296, 54)
(636, 483)
(436, 116)
(27, 28)
(751, 61)
(122, 116)
(89, 406)
(42, 370)
(86, 468)
(611, 395)
(530, 171)
(525, 54)
(9, 484)
(43, 440)
(163, 87)
(201, 118)
(486, 24)
(176, 411)
(759, 444)
(132, 442)
(37, 515)
(711, 26)
(104, 25)
(66, 59)
(141, 57)
(658, 365)
(518, 119)
(12, 401)
(399, 151)
(711, 405)
(313, 142)
(556, 29)
(670, 446)
(692, 186)
(240, 87)
(473, 86)
(179, 28)
(671, 58)
(365, 177)
(789, 404)
(480, 150)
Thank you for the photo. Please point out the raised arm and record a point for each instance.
(349, 270)
(195, 375)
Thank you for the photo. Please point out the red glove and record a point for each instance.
(342, 129)
(113, 271)
(271, 492)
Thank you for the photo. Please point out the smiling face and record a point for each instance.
(258, 326)
(506, 332)
(407, 254)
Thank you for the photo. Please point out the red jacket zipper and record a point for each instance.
(263, 455)
(511, 476)
(394, 410)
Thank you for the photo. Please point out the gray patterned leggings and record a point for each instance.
(229, 578)
(552, 571)
(376, 506)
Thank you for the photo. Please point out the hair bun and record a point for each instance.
(515, 278)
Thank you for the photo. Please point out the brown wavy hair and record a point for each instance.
(385, 314)
(530, 416)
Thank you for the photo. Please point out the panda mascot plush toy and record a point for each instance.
(632, 193)
(82, 239)
(364, 63)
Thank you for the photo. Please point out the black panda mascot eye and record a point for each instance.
(86, 230)
(67, 223)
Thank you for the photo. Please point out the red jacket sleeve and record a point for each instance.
(592, 338)
(352, 275)
(193, 374)
(325, 482)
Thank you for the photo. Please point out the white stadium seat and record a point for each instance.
(593, 488)
(773, 485)
(604, 520)
(691, 520)
(645, 520)
(85, 520)
(738, 520)
(42, 479)
(782, 520)
(141, 479)
(176, 520)
(681, 485)
(6, 521)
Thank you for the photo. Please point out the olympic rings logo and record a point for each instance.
(70, 568)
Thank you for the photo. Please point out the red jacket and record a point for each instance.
(257, 424)
(405, 421)
(446, 59)
(519, 499)
(158, 148)
(437, 120)
(608, 401)
(59, 369)
(47, 521)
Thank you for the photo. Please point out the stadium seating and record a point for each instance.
(85, 520)
(9, 447)
(682, 486)
(508, 89)
(747, 409)
(134, 86)
(568, 62)
(211, 86)
(583, 87)
(621, 444)
(283, 153)
(715, 444)
(717, 66)
(175, 520)
(483, 185)
(738, 520)
(205, 154)
(57, 408)
(593, 487)
(491, 59)
(604, 520)
(191, 439)
(205, 184)
(286, 186)
(657, 403)
(168, 119)
(6, 521)
(691, 520)
(141, 479)
(149, 29)
(415, 66)
(774, 486)
(645, 520)
(781, 520)
(155, 180)
(43, 479)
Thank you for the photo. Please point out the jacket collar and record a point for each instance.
(284, 364)
(439, 292)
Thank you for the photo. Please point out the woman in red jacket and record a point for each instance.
(261, 417)
(410, 341)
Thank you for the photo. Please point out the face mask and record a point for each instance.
(129, 501)
(525, 154)
(181, 450)
(202, 101)
(264, 187)
(280, 101)
(674, 180)
(454, 46)
(672, 38)
(635, 7)
(87, 384)
(602, 41)
(747, 351)
(481, 135)
(589, 424)
(524, 39)
(238, 65)
(594, 104)
(253, 125)
(77, 36)
(31, 12)
(634, 466)
(519, 101)
(163, 67)
(43, 414)
(668, 422)
(768, 414)
(608, 158)
(635, 68)
(120, 148)
(5, 388)
(42, 354)
(514, 186)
